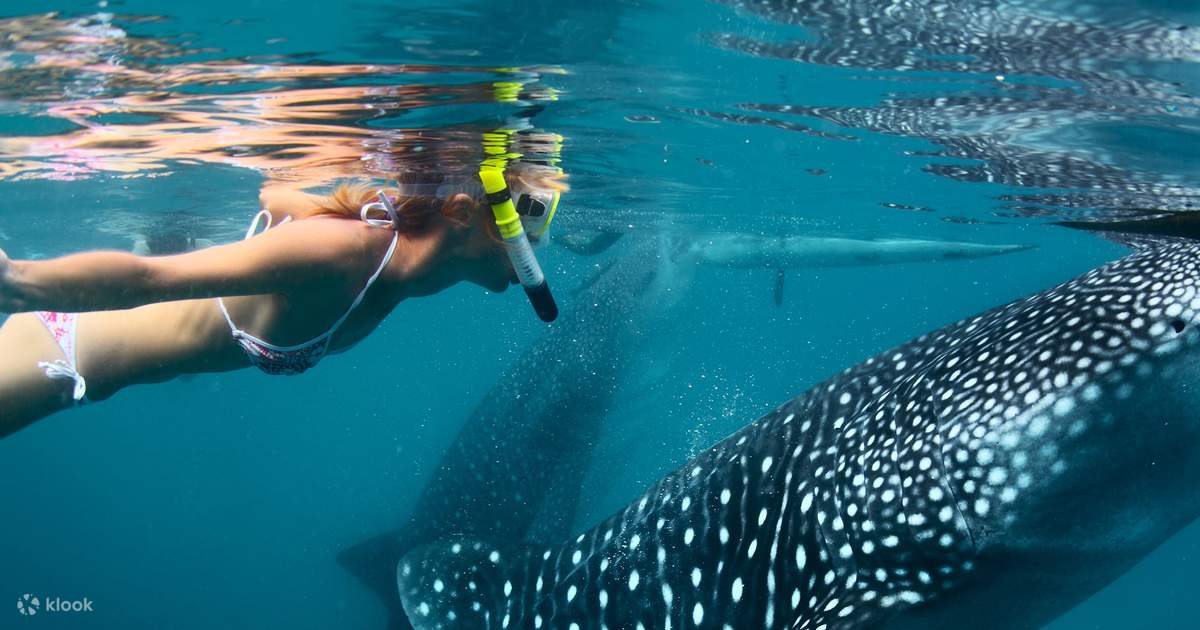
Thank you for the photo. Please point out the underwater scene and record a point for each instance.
(625, 315)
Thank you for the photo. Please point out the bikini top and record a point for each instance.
(288, 360)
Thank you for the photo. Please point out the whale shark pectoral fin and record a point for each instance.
(460, 583)
(373, 562)
(1173, 225)
(780, 276)
(598, 273)
(590, 243)
(1133, 240)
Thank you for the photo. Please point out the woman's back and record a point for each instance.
(157, 342)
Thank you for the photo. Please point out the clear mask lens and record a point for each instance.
(532, 206)
(536, 209)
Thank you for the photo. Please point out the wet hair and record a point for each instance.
(417, 212)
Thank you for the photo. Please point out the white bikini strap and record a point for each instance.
(253, 229)
(61, 369)
(224, 311)
(258, 218)
(385, 206)
(263, 217)
(361, 294)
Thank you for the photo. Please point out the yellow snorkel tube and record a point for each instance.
(539, 212)
(516, 243)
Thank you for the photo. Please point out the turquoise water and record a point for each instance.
(223, 501)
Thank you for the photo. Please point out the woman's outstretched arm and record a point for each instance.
(278, 261)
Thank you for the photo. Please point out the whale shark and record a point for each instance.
(749, 251)
(991, 474)
(553, 420)
(515, 468)
(780, 253)
(743, 250)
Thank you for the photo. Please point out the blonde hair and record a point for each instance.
(418, 212)
(415, 212)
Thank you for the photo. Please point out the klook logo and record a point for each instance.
(29, 605)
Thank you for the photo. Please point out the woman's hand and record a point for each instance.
(6, 291)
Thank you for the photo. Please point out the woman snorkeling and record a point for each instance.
(318, 277)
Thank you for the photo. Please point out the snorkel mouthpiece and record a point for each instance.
(516, 244)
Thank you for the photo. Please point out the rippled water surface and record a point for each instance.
(223, 501)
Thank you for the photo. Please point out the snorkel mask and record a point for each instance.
(536, 210)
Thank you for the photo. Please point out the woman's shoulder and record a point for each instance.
(282, 200)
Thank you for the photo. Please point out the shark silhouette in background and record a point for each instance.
(991, 474)
(780, 253)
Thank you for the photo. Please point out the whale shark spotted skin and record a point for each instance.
(991, 474)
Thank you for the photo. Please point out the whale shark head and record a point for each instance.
(990, 474)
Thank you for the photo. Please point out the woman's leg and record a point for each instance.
(26, 393)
